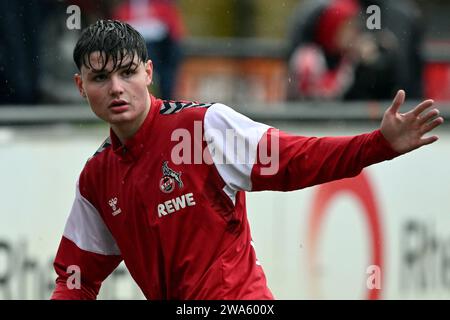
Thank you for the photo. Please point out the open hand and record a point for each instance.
(405, 131)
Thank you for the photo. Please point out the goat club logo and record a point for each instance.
(170, 177)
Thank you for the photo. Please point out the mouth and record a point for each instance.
(118, 103)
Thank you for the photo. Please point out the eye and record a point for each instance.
(100, 77)
(128, 73)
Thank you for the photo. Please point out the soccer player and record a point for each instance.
(165, 192)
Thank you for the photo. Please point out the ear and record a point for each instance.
(79, 83)
(149, 72)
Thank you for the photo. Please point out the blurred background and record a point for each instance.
(324, 67)
(257, 50)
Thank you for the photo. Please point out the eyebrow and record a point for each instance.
(131, 65)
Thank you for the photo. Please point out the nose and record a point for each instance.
(116, 87)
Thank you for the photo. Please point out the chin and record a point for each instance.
(120, 118)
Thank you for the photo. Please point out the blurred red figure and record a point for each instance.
(341, 61)
(337, 28)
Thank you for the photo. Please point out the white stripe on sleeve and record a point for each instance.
(86, 228)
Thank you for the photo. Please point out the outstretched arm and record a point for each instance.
(307, 161)
(405, 131)
(270, 159)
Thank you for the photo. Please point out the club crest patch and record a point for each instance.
(169, 179)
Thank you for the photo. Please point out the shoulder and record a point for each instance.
(93, 169)
(214, 116)
(208, 112)
(95, 163)
(222, 116)
(102, 149)
(169, 107)
(182, 113)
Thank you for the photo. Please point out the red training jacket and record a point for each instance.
(170, 202)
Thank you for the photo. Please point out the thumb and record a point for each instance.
(397, 102)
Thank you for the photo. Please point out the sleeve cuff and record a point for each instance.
(383, 147)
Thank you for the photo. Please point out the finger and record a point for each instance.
(430, 115)
(421, 107)
(432, 124)
(397, 102)
(428, 140)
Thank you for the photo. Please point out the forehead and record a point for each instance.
(95, 62)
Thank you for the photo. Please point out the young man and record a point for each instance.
(165, 192)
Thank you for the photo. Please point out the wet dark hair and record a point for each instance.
(114, 40)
